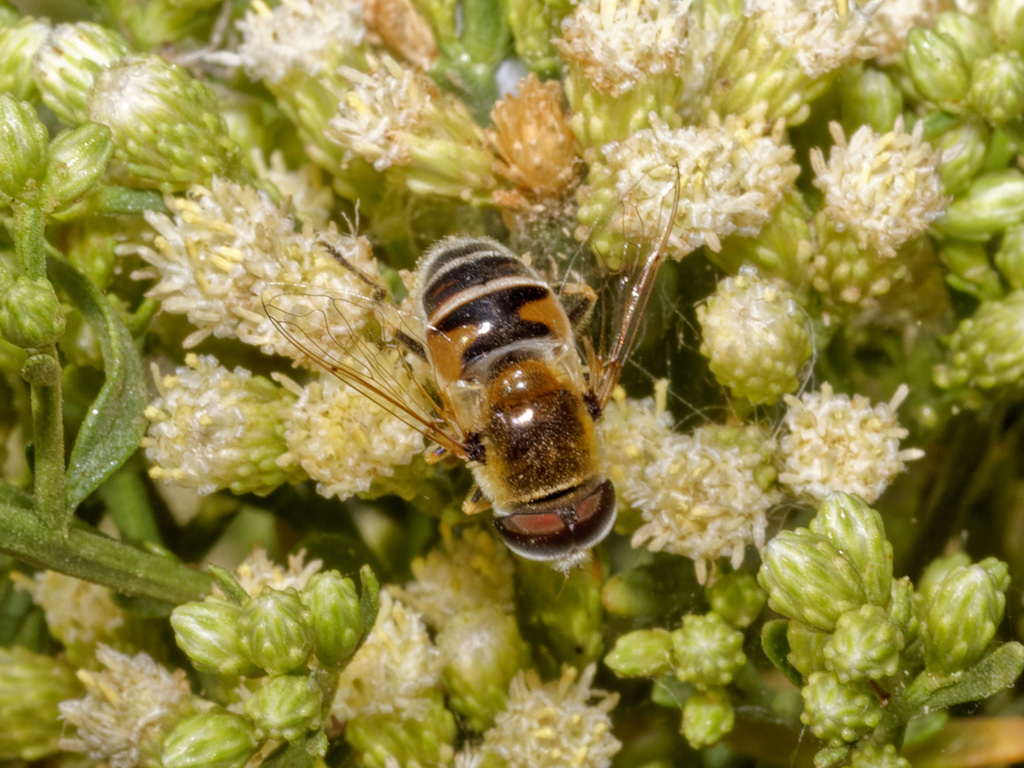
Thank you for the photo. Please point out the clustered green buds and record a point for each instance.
(291, 644)
(31, 687)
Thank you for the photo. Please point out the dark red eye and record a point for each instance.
(556, 527)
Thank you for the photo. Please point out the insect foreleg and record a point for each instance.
(379, 292)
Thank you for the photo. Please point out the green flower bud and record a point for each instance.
(997, 87)
(164, 123)
(970, 270)
(936, 572)
(832, 755)
(706, 651)
(643, 653)
(874, 756)
(870, 97)
(24, 145)
(973, 38)
(18, 45)
(1009, 258)
(391, 738)
(936, 66)
(1006, 20)
(960, 619)
(707, 717)
(737, 599)
(865, 646)
(806, 648)
(31, 687)
(276, 630)
(964, 147)
(285, 707)
(755, 337)
(210, 635)
(30, 314)
(834, 710)
(334, 614)
(901, 609)
(855, 531)
(993, 202)
(482, 652)
(78, 158)
(998, 570)
(807, 580)
(66, 66)
(534, 24)
(987, 349)
(213, 739)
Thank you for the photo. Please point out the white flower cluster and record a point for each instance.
(229, 252)
(838, 443)
(617, 45)
(258, 571)
(884, 189)
(127, 709)
(562, 724)
(78, 613)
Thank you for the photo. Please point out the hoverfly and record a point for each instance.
(516, 377)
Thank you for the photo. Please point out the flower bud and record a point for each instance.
(209, 633)
(706, 651)
(987, 349)
(963, 147)
(960, 619)
(936, 66)
(285, 707)
(901, 609)
(936, 571)
(334, 614)
(707, 717)
(874, 756)
(482, 652)
(855, 531)
(66, 66)
(737, 599)
(642, 653)
(806, 648)
(1006, 20)
(31, 687)
(807, 580)
(865, 646)
(870, 97)
(755, 337)
(973, 38)
(834, 710)
(408, 739)
(1009, 258)
(30, 314)
(993, 202)
(998, 570)
(213, 739)
(275, 630)
(24, 145)
(18, 45)
(970, 270)
(997, 87)
(78, 158)
(164, 123)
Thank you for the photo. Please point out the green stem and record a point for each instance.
(29, 225)
(110, 201)
(88, 555)
(127, 502)
(49, 469)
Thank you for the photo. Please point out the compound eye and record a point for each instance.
(549, 530)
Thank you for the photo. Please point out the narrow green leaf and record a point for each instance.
(776, 647)
(369, 600)
(114, 424)
(15, 496)
(995, 672)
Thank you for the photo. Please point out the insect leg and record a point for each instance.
(475, 503)
(379, 291)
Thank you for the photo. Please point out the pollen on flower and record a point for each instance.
(127, 710)
(884, 189)
(78, 613)
(258, 571)
(731, 176)
(211, 428)
(392, 670)
(465, 573)
(229, 252)
(617, 45)
(309, 36)
(342, 439)
(561, 724)
(705, 495)
(837, 443)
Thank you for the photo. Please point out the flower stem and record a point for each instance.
(49, 469)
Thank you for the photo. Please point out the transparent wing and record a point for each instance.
(373, 346)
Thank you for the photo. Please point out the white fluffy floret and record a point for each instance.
(258, 572)
(838, 443)
(78, 613)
